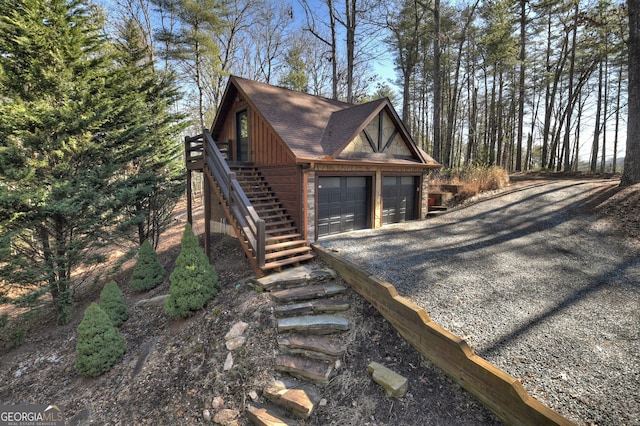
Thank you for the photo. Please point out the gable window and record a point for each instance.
(242, 136)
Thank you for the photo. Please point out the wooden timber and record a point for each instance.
(499, 391)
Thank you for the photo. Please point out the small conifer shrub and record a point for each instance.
(194, 280)
(100, 345)
(148, 272)
(112, 302)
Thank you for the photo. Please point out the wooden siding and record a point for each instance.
(286, 182)
(267, 148)
(228, 131)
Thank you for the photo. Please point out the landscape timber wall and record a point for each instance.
(500, 392)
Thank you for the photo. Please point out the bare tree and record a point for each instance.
(631, 173)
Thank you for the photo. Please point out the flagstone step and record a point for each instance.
(301, 275)
(312, 346)
(314, 324)
(310, 307)
(262, 415)
(306, 368)
(316, 291)
(297, 398)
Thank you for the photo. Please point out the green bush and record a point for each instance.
(148, 272)
(100, 345)
(112, 302)
(193, 282)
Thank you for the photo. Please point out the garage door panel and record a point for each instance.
(343, 204)
(399, 199)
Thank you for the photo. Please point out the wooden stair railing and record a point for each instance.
(267, 234)
(246, 217)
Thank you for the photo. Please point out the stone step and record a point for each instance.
(311, 307)
(300, 275)
(312, 346)
(308, 292)
(262, 415)
(297, 398)
(317, 371)
(314, 324)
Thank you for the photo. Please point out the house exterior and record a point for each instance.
(333, 166)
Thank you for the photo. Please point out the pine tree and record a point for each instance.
(194, 280)
(154, 180)
(112, 302)
(73, 121)
(148, 273)
(100, 345)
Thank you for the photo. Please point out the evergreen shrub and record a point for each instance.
(100, 345)
(112, 302)
(194, 280)
(148, 272)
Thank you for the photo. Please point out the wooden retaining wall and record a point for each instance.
(500, 392)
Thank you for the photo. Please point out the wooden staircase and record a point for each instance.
(266, 232)
(283, 244)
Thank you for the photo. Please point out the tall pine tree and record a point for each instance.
(72, 121)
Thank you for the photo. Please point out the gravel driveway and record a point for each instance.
(534, 283)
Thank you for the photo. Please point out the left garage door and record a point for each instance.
(343, 204)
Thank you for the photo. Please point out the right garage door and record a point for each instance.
(343, 204)
(399, 199)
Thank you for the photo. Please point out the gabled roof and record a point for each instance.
(313, 128)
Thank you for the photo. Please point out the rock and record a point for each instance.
(235, 343)
(323, 402)
(318, 324)
(395, 384)
(154, 301)
(226, 417)
(237, 330)
(228, 363)
(206, 415)
(217, 403)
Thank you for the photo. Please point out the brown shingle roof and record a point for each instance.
(313, 127)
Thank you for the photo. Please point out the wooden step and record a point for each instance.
(274, 217)
(288, 261)
(285, 244)
(280, 230)
(274, 238)
(285, 253)
(287, 222)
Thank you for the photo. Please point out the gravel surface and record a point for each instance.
(535, 283)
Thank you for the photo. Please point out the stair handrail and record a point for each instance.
(252, 225)
(193, 148)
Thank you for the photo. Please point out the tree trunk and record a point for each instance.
(334, 51)
(437, 82)
(596, 130)
(350, 24)
(631, 173)
(521, 91)
(567, 131)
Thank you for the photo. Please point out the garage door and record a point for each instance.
(399, 198)
(343, 204)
